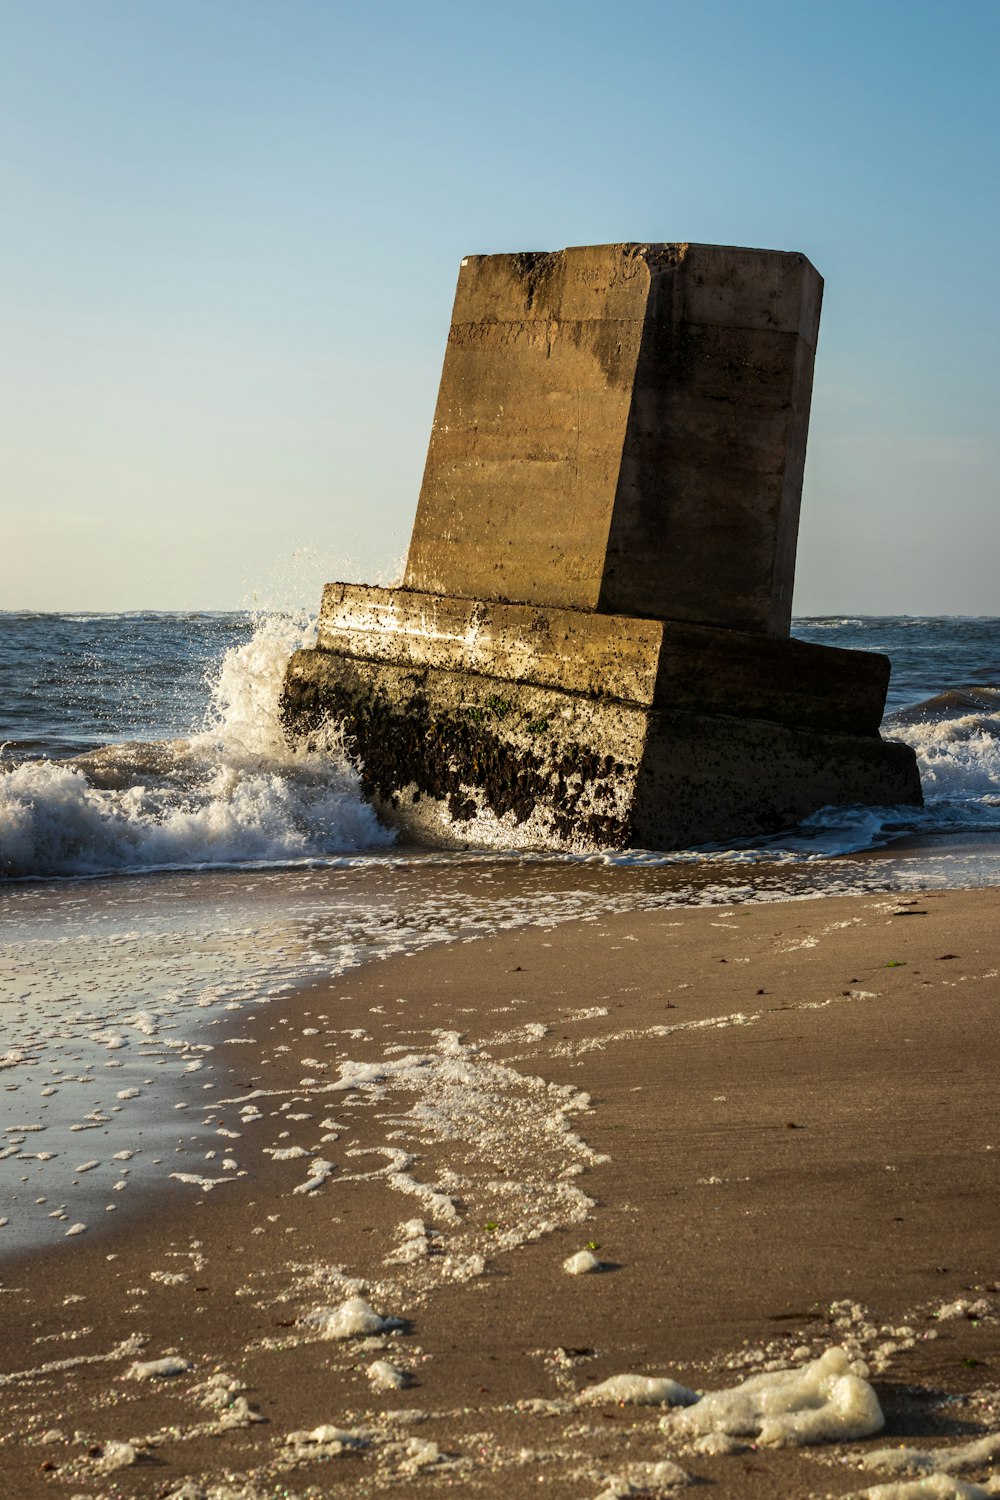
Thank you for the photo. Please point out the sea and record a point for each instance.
(167, 861)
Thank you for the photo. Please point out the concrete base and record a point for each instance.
(456, 758)
(654, 663)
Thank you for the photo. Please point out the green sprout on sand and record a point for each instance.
(896, 963)
(593, 1245)
(491, 1225)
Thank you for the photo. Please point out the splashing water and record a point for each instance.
(199, 773)
(242, 719)
(232, 792)
(959, 752)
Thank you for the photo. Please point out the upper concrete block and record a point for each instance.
(773, 290)
(623, 428)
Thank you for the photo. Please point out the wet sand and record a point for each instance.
(114, 992)
(775, 1126)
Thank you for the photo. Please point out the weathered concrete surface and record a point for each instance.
(623, 428)
(639, 661)
(591, 646)
(458, 758)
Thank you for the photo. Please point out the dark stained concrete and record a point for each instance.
(458, 758)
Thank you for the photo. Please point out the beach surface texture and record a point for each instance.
(658, 1200)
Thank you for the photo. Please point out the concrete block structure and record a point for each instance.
(591, 645)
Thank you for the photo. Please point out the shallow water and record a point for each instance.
(117, 985)
(120, 996)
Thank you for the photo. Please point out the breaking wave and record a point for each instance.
(230, 793)
(956, 737)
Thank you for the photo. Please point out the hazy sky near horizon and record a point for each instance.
(232, 230)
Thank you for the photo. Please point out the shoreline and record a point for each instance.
(173, 954)
(749, 1184)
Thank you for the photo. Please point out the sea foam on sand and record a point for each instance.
(827, 1400)
(485, 1128)
(352, 1319)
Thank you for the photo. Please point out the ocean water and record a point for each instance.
(167, 864)
(151, 741)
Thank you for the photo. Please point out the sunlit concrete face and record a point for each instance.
(623, 428)
(659, 663)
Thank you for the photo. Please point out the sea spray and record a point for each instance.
(243, 719)
(957, 743)
(231, 792)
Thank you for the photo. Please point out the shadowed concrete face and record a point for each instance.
(623, 428)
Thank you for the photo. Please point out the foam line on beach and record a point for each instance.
(679, 1153)
(116, 998)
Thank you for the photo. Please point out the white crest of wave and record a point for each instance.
(958, 757)
(243, 719)
(233, 793)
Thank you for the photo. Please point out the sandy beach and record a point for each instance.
(499, 752)
(773, 1128)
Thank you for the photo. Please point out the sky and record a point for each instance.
(231, 231)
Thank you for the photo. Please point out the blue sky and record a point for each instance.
(232, 229)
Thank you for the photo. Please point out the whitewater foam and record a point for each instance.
(231, 793)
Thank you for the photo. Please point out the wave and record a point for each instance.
(233, 793)
(830, 622)
(956, 738)
(230, 793)
(952, 703)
